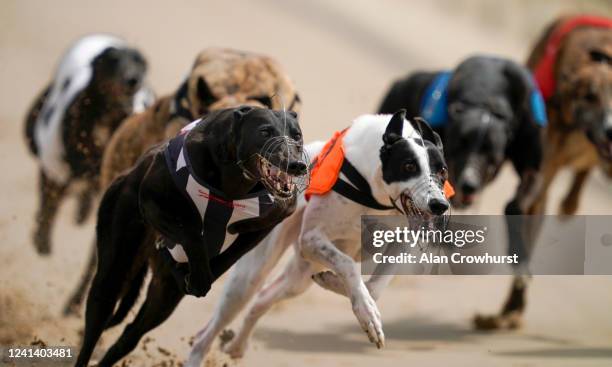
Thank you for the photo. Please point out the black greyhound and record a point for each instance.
(487, 111)
(185, 194)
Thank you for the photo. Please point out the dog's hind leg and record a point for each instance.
(120, 234)
(85, 203)
(76, 299)
(245, 279)
(293, 281)
(162, 298)
(51, 195)
(569, 205)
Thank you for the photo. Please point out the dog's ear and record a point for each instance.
(241, 111)
(203, 92)
(395, 127)
(525, 94)
(427, 133)
(264, 100)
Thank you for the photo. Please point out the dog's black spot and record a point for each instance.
(436, 159)
(47, 115)
(66, 84)
(205, 94)
(399, 162)
(264, 100)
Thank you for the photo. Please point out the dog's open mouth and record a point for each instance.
(278, 182)
(420, 218)
(462, 200)
(412, 211)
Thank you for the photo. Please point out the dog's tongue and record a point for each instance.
(468, 199)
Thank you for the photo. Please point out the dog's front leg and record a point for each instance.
(330, 281)
(522, 232)
(315, 246)
(569, 205)
(200, 277)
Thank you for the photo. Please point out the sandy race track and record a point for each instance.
(341, 55)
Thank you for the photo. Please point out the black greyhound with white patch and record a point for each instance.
(487, 111)
(210, 194)
(98, 83)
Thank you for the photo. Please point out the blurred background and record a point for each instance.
(342, 56)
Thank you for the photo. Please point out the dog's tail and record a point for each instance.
(130, 297)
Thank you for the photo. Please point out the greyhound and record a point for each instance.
(99, 82)
(488, 110)
(206, 197)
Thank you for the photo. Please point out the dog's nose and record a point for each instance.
(608, 132)
(437, 206)
(132, 82)
(297, 168)
(468, 188)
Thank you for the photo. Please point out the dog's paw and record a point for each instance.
(235, 348)
(568, 207)
(197, 285)
(72, 309)
(42, 243)
(510, 321)
(226, 336)
(330, 281)
(366, 311)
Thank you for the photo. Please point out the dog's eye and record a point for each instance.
(266, 133)
(456, 108)
(591, 97)
(444, 173)
(409, 167)
(297, 137)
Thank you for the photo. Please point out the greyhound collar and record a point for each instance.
(325, 176)
(357, 188)
(544, 71)
(216, 211)
(434, 101)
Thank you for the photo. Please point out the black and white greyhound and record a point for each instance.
(98, 83)
(208, 195)
(388, 168)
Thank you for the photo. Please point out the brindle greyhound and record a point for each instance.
(211, 195)
(572, 62)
